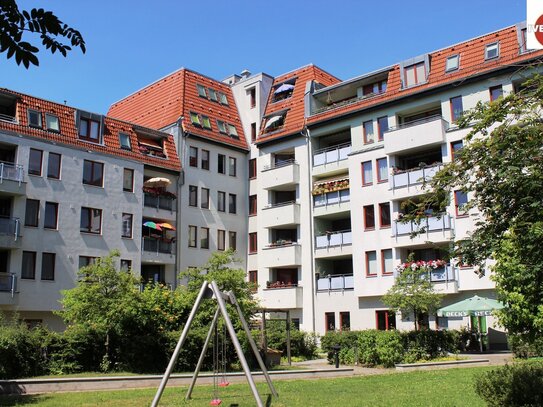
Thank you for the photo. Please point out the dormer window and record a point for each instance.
(283, 91)
(34, 118)
(414, 74)
(492, 51)
(453, 63)
(124, 140)
(274, 122)
(201, 91)
(375, 88)
(213, 95)
(89, 130)
(223, 99)
(52, 123)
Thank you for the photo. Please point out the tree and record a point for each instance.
(14, 23)
(412, 291)
(500, 167)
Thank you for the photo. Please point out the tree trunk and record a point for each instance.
(416, 319)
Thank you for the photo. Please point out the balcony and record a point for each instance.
(158, 202)
(10, 233)
(332, 202)
(414, 135)
(8, 287)
(283, 174)
(287, 297)
(156, 250)
(332, 158)
(282, 214)
(281, 255)
(12, 179)
(334, 244)
(414, 176)
(445, 278)
(336, 283)
(434, 229)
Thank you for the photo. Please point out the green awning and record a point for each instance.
(476, 306)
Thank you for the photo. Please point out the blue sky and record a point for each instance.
(131, 43)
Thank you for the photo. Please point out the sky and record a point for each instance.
(132, 43)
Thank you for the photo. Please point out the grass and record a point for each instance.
(443, 388)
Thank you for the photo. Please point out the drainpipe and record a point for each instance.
(180, 180)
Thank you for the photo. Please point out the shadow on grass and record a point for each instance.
(21, 400)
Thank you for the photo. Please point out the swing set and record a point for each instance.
(211, 290)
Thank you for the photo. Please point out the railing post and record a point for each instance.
(1, 173)
(13, 284)
(16, 229)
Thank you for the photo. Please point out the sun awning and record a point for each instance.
(476, 306)
(285, 87)
(272, 120)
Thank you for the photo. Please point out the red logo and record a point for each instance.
(538, 29)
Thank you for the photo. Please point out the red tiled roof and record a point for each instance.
(295, 118)
(69, 135)
(472, 63)
(163, 102)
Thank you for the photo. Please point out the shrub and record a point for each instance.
(524, 349)
(389, 347)
(345, 339)
(519, 384)
(428, 344)
(367, 347)
(301, 343)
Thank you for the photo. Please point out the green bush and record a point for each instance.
(427, 344)
(345, 339)
(367, 347)
(524, 349)
(301, 343)
(389, 347)
(515, 385)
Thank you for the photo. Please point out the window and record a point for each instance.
(52, 123)
(460, 201)
(456, 146)
(223, 99)
(274, 122)
(221, 164)
(127, 225)
(32, 212)
(89, 130)
(367, 173)
(232, 198)
(48, 266)
(205, 159)
(212, 95)
(253, 278)
(386, 262)
(91, 220)
(193, 157)
(195, 119)
(368, 132)
(496, 92)
(252, 168)
(124, 141)
(232, 131)
(382, 170)
(201, 91)
(51, 215)
(93, 173)
(222, 126)
(369, 217)
(253, 132)
(456, 108)
(385, 320)
(28, 270)
(204, 198)
(126, 265)
(206, 123)
(34, 118)
(204, 238)
(34, 161)
(283, 91)
(193, 235)
(384, 214)
(329, 321)
(232, 166)
(492, 50)
(252, 205)
(221, 236)
(128, 180)
(253, 245)
(221, 201)
(345, 321)
(382, 126)
(85, 261)
(232, 240)
(452, 63)
(193, 195)
(414, 75)
(375, 88)
(371, 263)
(53, 165)
(252, 97)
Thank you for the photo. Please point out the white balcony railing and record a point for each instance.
(8, 283)
(13, 172)
(429, 224)
(414, 176)
(444, 274)
(332, 198)
(331, 154)
(336, 282)
(333, 239)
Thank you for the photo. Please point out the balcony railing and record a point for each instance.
(13, 172)
(158, 202)
(279, 204)
(417, 122)
(429, 224)
(443, 274)
(331, 154)
(10, 227)
(8, 118)
(280, 164)
(332, 198)
(414, 176)
(336, 282)
(345, 102)
(157, 246)
(333, 239)
(8, 283)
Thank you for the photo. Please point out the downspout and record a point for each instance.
(180, 182)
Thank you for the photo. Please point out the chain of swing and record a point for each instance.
(219, 347)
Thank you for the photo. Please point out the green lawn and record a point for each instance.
(450, 387)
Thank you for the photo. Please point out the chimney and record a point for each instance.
(245, 74)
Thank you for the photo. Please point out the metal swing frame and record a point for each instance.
(211, 290)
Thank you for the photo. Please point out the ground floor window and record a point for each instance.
(330, 321)
(345, 321)
(385, 320)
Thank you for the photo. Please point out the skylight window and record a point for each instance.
(206, 123)
(201, 91)
(232, 131)
(34, 118)
(195, 119)
(452, 63)
(492, 50)
(222, 126)
(213, 95)
(124, 140)
(223, 99)
(52, 122)
(283, 91)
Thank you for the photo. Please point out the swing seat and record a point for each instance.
(224, 384)
(215, 402)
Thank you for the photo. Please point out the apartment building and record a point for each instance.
(71, 190)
